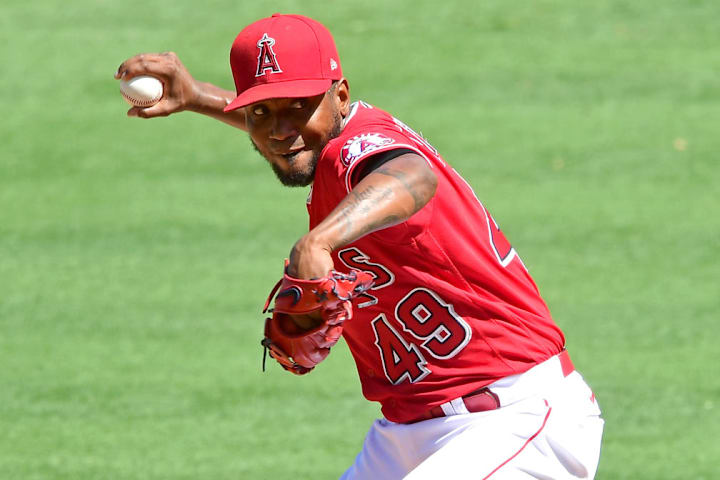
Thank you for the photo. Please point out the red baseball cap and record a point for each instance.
(283, 56)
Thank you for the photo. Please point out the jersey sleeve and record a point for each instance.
(373, 162)
(359, 148)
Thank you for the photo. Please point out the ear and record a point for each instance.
(342, 97)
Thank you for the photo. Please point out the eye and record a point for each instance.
(299, 103)
(259, 110)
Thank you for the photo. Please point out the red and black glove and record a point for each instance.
(327, 300)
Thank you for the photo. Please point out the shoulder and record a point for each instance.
(367, 131)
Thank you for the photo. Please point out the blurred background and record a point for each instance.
(135, 255)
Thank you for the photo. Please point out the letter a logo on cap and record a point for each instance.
(266, 58)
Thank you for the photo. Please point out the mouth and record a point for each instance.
(291, 155)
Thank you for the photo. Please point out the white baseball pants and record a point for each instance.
(548, 427)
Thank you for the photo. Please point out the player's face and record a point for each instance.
(291, 133)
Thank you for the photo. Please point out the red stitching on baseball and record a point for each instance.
(140, 103)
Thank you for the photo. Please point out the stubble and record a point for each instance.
(302, 177)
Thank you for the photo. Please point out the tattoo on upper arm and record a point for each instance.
(419, 192)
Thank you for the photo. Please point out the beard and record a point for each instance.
(297, 177)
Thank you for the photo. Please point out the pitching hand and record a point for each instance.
(180, 89)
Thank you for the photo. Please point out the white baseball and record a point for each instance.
(142, 91)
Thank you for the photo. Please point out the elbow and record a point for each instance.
(430, 184)
(423, 184)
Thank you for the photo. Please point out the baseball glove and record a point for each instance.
(327, 300)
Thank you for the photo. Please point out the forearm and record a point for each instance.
(388, 195)
(210, 100)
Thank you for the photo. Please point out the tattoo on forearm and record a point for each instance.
(355, 216)
(358, 205)
(385, 222)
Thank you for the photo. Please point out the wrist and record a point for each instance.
(207, 99)
(316, 240)
(310, 258)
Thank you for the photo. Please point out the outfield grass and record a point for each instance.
(135, 255)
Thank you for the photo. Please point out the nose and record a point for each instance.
(282, 129)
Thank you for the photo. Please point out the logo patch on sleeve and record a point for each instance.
(362, 145)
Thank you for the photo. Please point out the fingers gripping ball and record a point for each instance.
(326, 301)
(142, 91)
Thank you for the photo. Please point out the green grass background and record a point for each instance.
(135, 255)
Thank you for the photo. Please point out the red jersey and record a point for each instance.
(453, 308)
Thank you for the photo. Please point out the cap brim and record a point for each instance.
(289, 89)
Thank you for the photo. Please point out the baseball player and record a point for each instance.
(447, 328)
